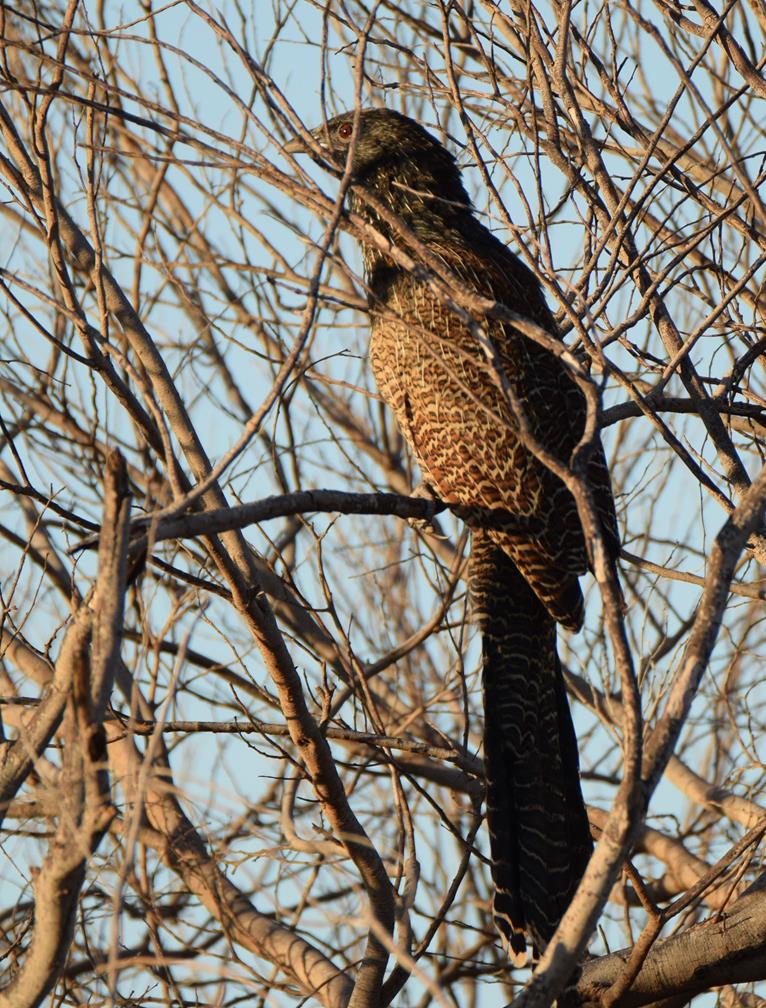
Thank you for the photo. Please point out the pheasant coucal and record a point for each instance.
(433, 373)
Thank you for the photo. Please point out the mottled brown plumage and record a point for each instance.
(465, 437)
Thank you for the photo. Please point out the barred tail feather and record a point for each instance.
(539, 837)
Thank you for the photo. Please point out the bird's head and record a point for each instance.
(389, 150)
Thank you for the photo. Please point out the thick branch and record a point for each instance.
(724, 950)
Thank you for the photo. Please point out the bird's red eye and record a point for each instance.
(345, 130)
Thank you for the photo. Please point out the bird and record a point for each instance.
(466, 437)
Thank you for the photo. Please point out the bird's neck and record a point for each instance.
(432, 208)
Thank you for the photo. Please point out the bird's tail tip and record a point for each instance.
(512, 937)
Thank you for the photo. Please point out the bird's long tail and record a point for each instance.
(539, 836)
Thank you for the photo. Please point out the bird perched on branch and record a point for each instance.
(474, 450)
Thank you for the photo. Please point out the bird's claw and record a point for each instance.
(427, 524)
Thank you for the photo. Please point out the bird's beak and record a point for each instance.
(301, 146)
(297, 146)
